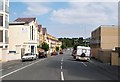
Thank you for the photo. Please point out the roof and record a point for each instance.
(39, 27)
(44, 31)
(26, 20)
(16, 23)
(105, 26)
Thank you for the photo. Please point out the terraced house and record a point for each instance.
(53, 42)
(40, 34)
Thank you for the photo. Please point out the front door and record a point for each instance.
(32, 49)
(22, 52)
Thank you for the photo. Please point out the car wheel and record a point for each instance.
(32, 59)
(23, 60)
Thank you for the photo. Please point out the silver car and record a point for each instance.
(29, 56)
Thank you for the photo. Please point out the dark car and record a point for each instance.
(61, 52)
(74, 53)
(54, 53)
(42, 55)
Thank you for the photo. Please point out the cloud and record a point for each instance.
(36, 9)
(14, 13)
(64, 0)
(86, 13)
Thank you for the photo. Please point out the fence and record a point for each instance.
(115, 58)
(104, 56)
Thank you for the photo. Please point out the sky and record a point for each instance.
(67, 19)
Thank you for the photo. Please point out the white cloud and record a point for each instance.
(86, 13)
(14, 13)
(36, 9)
(64, 0)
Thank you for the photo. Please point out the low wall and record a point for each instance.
(12, 56)
(115, 58)
(104, 56)
(5, 56)
(94, 52)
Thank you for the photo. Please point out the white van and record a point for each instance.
(82, 53)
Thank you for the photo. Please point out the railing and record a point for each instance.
(94, 41)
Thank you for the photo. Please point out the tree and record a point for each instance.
(63, 46)
(45, 46)
(57, 49)
(38, 46)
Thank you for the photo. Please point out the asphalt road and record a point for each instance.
(60, 67)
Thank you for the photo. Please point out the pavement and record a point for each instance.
(115, 70)
(60, 67)
(8, 63)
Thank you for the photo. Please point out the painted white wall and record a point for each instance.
(20, 36)
(2, 12)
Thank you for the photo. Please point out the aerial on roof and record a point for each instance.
(27, 20)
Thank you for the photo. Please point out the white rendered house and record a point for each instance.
(23, 36)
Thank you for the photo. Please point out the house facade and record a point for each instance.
(4, 19)
(23, 36)
(44, 31)
(53, 42)
(40, 34)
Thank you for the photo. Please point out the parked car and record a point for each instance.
(74, 53)
(54, 53)
(61, 52)
(42, 55)
(29, 56)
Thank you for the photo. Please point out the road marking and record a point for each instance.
(16, 66)
(20, 69)
(62, 76)
(62, 59)
(9, 67)
(84, 64)
(61, 67)
(91, 61)
(1, 69)
(61, 63)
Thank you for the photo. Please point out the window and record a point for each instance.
(1, 20)
(1, 46)
(6, 21)
(1, 36)
(6, 36)
(6, 6)
(12, 51)
(32, 32)
(1, 5)
(6, 46)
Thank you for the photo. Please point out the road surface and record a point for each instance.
(60, 67)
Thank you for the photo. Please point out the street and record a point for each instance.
(60, 67)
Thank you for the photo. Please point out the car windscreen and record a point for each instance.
(27, 54)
